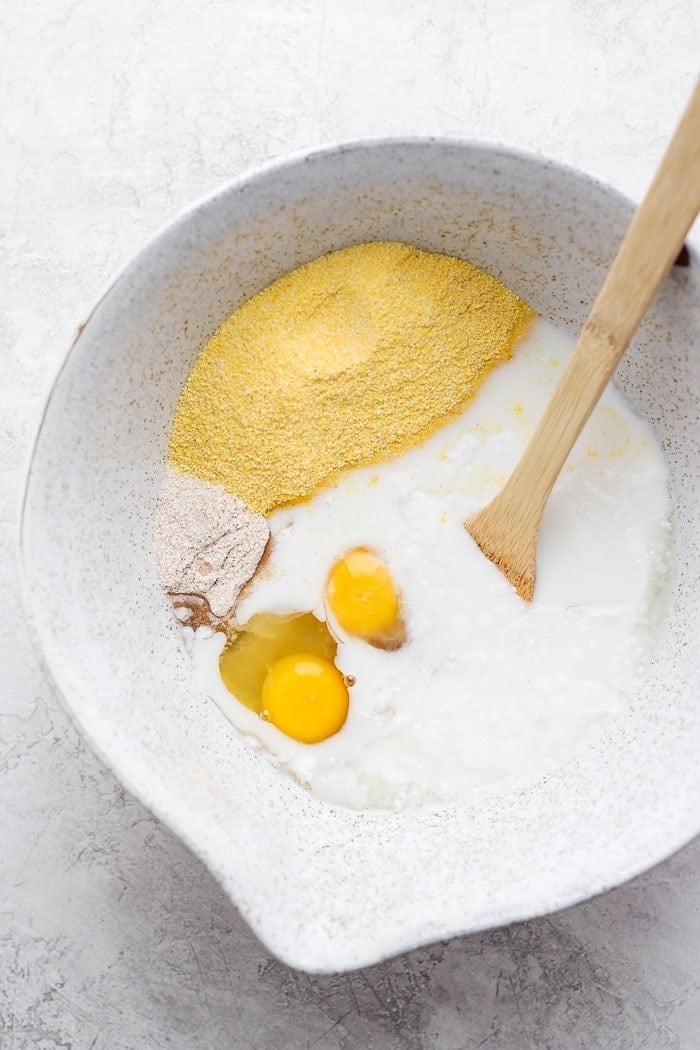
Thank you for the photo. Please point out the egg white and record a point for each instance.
(486, 687)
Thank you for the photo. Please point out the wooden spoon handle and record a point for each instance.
(650, 246)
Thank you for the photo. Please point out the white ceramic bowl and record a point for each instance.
(326, 888)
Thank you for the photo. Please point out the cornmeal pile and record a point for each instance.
(349, 359)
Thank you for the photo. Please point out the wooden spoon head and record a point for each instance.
(509, 543)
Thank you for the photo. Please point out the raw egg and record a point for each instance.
(306, 697)
(364, 600)
(261, 642)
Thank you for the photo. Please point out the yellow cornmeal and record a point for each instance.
(347, 360)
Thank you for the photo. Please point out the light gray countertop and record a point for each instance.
(115, 116)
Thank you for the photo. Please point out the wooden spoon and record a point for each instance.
(506, 529)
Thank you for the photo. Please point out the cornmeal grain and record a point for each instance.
(349, 359)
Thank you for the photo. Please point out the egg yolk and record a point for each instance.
(306, 697)
(264, 640)
(364, 600)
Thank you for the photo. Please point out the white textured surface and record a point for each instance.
(111, 934)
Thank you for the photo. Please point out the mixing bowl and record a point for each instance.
(326, 888)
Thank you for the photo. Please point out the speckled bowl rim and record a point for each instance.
(139, 785)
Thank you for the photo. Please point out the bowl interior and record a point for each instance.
(324, 887)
